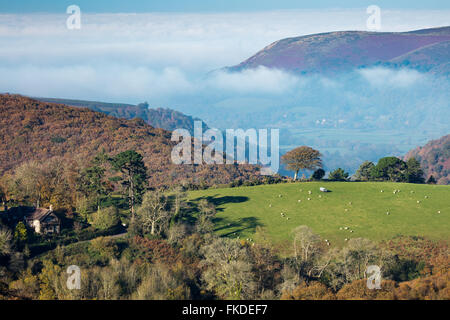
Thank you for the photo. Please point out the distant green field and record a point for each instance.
(359, 206)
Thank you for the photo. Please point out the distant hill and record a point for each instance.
(167, 119)
(426, 50)
(434, 158)
(35, 130)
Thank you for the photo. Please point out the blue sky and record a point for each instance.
(114, 6)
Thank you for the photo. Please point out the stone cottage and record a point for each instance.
(43, 221)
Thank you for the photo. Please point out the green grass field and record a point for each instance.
(359, 206)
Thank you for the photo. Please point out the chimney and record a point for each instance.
(51, 207)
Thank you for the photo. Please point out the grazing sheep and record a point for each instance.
(346, 210)
(351, 231)
(322, 189)
(340, 228)
(346, 228)
(439, 211)
(388, 213)
(328, 243)
(381, 190)
(418, 201)
(287, 218)
(426, 197)
(270, 205)
(320, 196)
(350, 203)
(279, 196)
(309, 198)
(299, 200)
(326, 240)
(309, 192)
(345, 239)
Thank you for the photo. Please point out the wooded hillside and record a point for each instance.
(34, 130)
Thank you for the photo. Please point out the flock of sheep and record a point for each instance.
(283, 214)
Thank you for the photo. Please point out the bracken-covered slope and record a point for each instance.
(345, 50)
(35, 130)
(163, 118)
(434, 158)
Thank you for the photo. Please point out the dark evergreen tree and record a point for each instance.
(389, 168)
(134, 175)
(414, 173)
(318, 174)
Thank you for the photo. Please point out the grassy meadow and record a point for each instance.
(351, 210)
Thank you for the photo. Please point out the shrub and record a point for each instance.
(338, 175)
(105, 218)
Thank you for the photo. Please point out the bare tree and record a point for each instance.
(154, 213)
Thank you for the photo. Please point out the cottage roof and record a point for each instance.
(39, 214)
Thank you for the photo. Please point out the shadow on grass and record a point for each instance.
(190, 213)
(219, 201)
(236, 227)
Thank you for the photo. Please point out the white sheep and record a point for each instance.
(381, 190)
(345, 228)
(299, 200)
(279, 195)
(418, 201)
(309, 198)
(346, 239)
(309, 192)
(439, 211)
(350, 203)
(346, 210)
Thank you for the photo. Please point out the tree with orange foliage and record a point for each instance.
(302, 158)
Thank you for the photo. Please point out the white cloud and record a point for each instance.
(382, 77)
(261, 80)
(193, 42)
(157, 56)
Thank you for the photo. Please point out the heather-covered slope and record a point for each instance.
(434, 158)
(345, 50)
(30, 129)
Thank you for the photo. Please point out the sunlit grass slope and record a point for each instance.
(352, 209)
